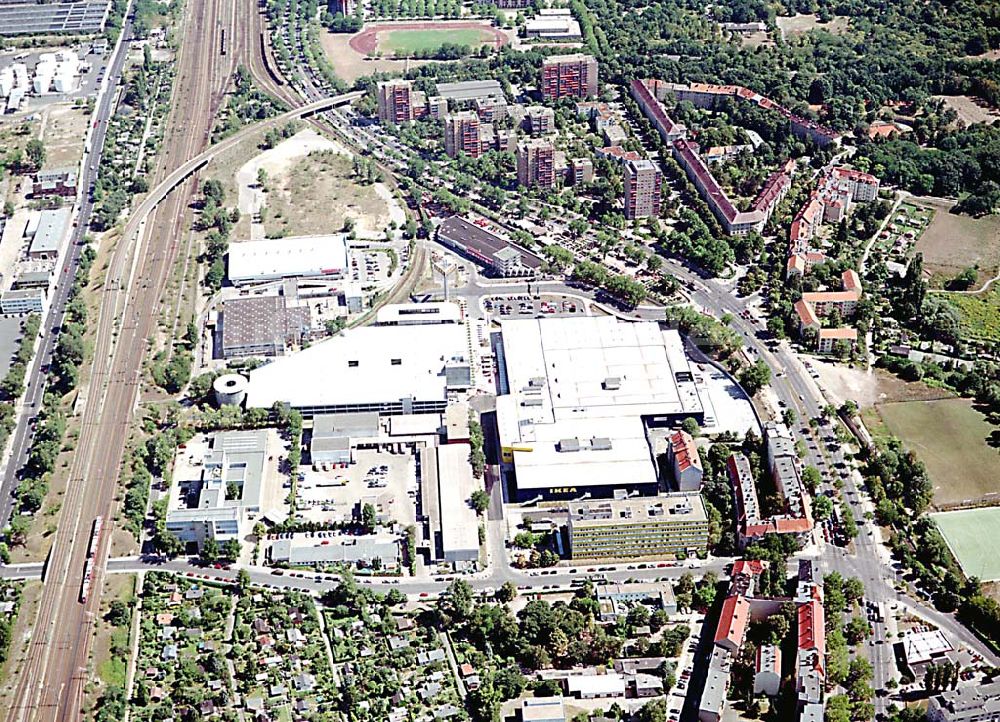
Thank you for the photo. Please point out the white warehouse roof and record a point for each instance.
(575, 392)
(276, 258)
(373, 368)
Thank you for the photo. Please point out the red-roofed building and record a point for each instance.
(812, 633)
(683, 455)
(733, 621)
(828, 337)
(807, 317)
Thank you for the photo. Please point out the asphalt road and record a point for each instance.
(35, 380)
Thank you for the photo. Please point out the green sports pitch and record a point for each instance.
(410, 42)
(973, 535)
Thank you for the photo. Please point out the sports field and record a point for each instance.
(950, 437)
(411, 42)
(974, 538)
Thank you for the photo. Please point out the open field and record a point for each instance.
(951, 438)
(317, 194)
(954, 242)
(980, 313)
(875, 386)
(800, 24)
(973, 535)
(970, 110)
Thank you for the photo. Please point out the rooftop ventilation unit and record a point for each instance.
(569, 445)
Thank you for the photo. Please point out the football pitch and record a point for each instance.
(409, 42)
(973, 535)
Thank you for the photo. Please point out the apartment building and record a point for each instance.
(734, 222)
(536, 163)
(581, 170)
(569, 76)
(462, 134)
(395, 101)
(539, 120)
(642, 189)
(685, 461)
(648, 95)
(966, 704)
(638, 527)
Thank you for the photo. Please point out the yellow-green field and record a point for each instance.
(951, 438)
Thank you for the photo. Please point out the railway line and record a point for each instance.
(51, 682)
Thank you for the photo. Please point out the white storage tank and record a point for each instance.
(230, 389)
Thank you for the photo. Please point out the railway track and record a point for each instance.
(51, 682)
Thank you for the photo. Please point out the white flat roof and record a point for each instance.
(362, 366)
(287, 258)
(435, 312)
(459, 523)
(923, 646)
(600, 685)
(592, 380)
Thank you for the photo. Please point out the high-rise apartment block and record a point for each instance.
(395, 101)
(540, 120)
(569, 76)
(642, 189)
(462, 134)
(536, 163)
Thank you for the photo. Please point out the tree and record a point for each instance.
(480, 500)
(231, 549)
(455, 602)
(369, 518)
(119, 613)
(822, 507)
(690, 425)
(655, 711)
(210, 550)
(754, 378)
(856, 630)
(507, 592)
(35, 150)
(789, 417)
(811, 478)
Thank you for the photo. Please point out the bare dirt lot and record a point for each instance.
(65, 129)
(954, 242)
(323, 179)
(970, 110)
(800, 24)
(867, 388)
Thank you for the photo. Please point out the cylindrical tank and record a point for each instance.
(230, 389)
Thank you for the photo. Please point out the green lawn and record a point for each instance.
(408, 42)
(950, 437)
(974, 538)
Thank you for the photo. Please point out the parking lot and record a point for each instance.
(524, 306)
(370, 267)
(332, 496)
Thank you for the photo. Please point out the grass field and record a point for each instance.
(950, 437)
(974, 538)
(410, 42)
(799, 24)
(955, 242)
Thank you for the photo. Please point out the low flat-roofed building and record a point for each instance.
(615, 600)
(335, 436)
(262, 326)
(386, 369)
(49, 234)
(276, 258)
(28, 300)
(638, 527)
(576, 397)
(32, 279)
(459, 521)
(202, 504)
(456, 423)
(920, 648)
(485, 247)
(595, 686)
(977, 703)
(543, 709)
(53, 18)
(470, 90)
(558, 27)
(366, 551)
(404, 314)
